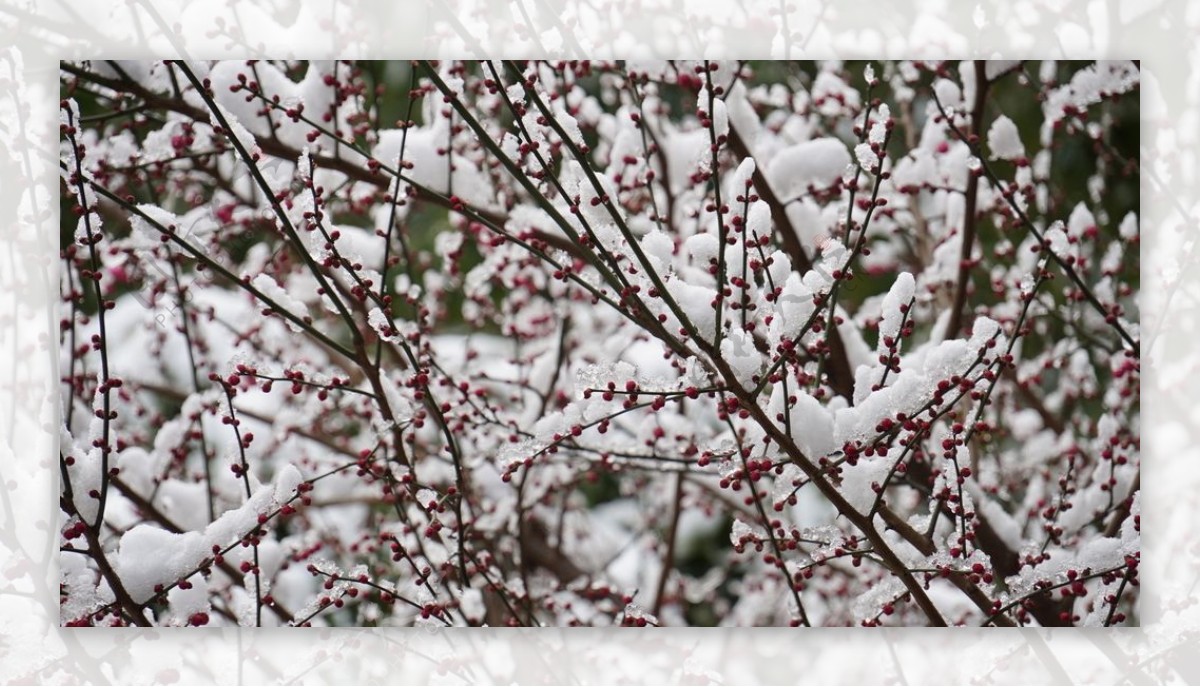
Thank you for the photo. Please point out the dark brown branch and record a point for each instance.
(840, 376)
(669, 555)
(969, 215)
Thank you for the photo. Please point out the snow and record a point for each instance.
(742, 118)
(984, 329)
(880, 119)
(795, 307)
(286, 483)
(195, 599)
(914, 385)
(1048, 71)
(1129, 226)
(915, 170)
(1004, 140)
(146, 231)
(758, 220)
(568, 124)
(995, 68)
(832, 95)
(1088, 86)
(818, 163)
(696, 302)
(901, 294)
(720, 118)
(139, 468)
(148, 556)
(365, 246)
(1103, 553)
(868, 604)
(857, 350)
(742, 177)
(811, 424)
(401, 407)
(1024, 423)
(235, 130)
(780, 268)
(948, 93)
(431, 168)
(702, 248)
(1080, 220)
(687, 152)
(224, 76)
(737, 350)
(859, 480)
(83, 596)
(990, 511)
(85, 479)
(867, 159)
(185, 503)
(659, 246)
(472, 605)
(1056, 238)
(551, 425)
(743, 532)
(270, 288)
(966, 72)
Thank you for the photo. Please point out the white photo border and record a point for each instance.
(1162, 34)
